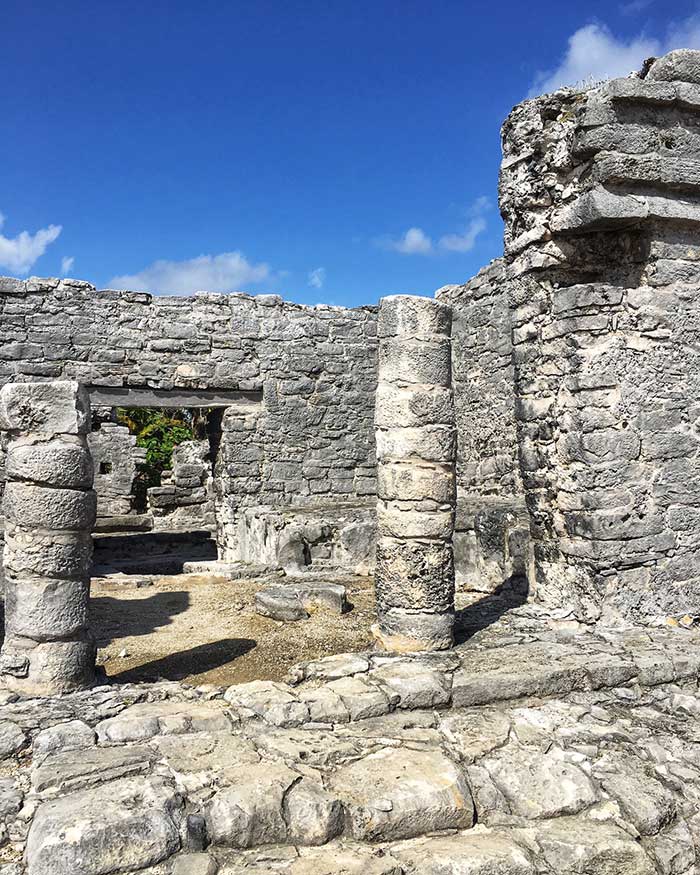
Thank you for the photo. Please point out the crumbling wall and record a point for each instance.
(599, 192)
(116, 458)
(313, 367)
(491, 527)
(185, 497)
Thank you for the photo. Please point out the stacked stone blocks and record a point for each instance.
(49, 509)
(415, 437)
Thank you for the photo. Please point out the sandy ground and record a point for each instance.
(204, 629)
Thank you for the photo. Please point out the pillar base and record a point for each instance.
(402, 632)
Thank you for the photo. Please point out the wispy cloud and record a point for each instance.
(594, 53)
(413, 242)
(635, 6)
(229, 271)
(18, 254)
(317, 277)
(463, 242)
(416, 242)
(67, 263)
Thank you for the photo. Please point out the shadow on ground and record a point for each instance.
(112, 618)
(512, 593)
(195, 660)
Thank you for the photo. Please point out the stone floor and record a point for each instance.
(534, 747)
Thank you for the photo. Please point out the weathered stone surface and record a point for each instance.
(417, 686)
(399, 794)
(251, 811)
(60, 462)
(40, 554)
(47, 668)
(680, 65)
(413, 316)
(468, 854)
(363, 699)
(69, 770)
(416, 574)
(42, 507)
(146, 719)
(194, 864)
(296, 601)
(71, 735)
(403, 631)
(45, 408)
(314, 815)
(540, 785)
(126, 824)
(569, 844)
(12, 739)
(45, 609)
(271, 701)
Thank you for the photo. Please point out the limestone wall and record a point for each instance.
(599, 191)
(491, 527)
(315, 369)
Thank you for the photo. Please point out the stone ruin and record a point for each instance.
(534, 431)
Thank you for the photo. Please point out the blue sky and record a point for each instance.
(327, 151)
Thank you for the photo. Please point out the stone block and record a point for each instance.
(250, 812)
(41, 554)
(413, 406)
(47, 668)
(415, 361)
(432, 443)
(63, 463)
(418, 686)
(123, 825)
(45, 609)
(45, 508)
(45, 408)
(397, 794)
(413, 316)
(681, 65)
(398, 520)
(402, 631)
(314, 815)
(416, 574)
(411, 481)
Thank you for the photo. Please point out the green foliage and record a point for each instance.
(159, 432)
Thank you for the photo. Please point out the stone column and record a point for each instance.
(49, 509)
(416, 446)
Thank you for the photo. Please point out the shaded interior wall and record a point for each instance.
(599, 191)
(314, 366)
(491, 534)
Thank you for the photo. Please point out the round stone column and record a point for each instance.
(49, 510)
(416, 446)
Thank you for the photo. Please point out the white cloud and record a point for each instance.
(67, 263)
(414, 242)
(595, 53)
(229, 271)
(19, 253)
(463, 242)
(635, 6)
(317, 277)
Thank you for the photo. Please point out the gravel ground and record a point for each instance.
(204, 629)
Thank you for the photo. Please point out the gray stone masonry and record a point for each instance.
(116, 457)
(415, 436)
(49, 509)
(599, 193)
(308, 373)
(185, 497)
(532, 749)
